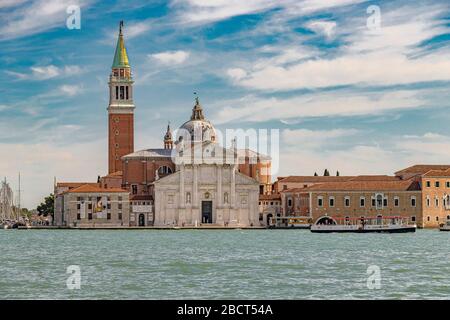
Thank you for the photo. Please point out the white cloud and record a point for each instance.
(314, 138)
(203, 11)
(361, 158)
(327, 28)
(171, 57)
(350, 70)
(3, 107)
(37, 16)
(236, 73)
(70, 90)
(308, 6)
(206, 11)
(430, 145)
(337, 104)
(47, 72)
(136, 29)
(391, 56)
(11, 3)
(73, 70)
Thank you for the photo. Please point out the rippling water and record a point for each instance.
(223, 264)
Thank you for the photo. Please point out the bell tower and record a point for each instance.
(121, 107)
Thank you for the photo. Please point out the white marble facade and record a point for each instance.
(210, 192)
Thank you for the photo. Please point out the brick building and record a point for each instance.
(435, 184)
(355, 199)
(90, 205)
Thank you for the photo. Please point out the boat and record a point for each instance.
(290, 222)
(393, 224)
(445, 227)
(7, 225)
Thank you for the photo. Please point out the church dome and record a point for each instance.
(197, 128)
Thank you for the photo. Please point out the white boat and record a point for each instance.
(445, 227)
(5, 225)
(363, 225)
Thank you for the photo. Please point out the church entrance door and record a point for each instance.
(207, 212)
(142, 220)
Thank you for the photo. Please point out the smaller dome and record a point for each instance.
(197, 130)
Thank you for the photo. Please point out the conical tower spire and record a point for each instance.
(120, 56)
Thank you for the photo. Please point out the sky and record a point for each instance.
(358, 86)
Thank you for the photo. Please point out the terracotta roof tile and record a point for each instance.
(375, 178)
(315, 179)
(74, 184)
(87, 188)
(423, 168)
(438, 173)
(399, 185)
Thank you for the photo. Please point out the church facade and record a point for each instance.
(207, 187)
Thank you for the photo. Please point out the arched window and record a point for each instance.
(225, 197)
(379, 201)
(122, 93)
(164, 170)
(347, 201)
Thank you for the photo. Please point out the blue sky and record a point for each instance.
(344, 96)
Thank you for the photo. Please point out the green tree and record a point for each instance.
(24, 212)
(326, 173)
(315, 174)
(46, 207)
(337, 173)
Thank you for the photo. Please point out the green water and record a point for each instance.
(222, 264)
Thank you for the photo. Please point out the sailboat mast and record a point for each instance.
(18, 203)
